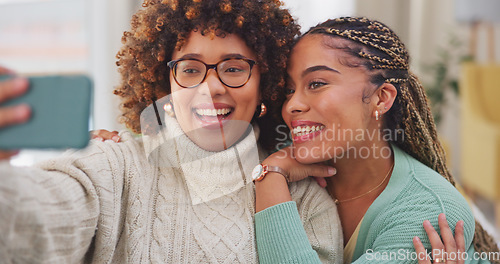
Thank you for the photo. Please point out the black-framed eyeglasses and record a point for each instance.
(232, 72)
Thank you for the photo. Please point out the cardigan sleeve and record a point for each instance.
(50, 213)
(387, 237)
(281, 237)
(306, 230)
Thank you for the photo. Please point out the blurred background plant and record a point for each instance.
(443, 75)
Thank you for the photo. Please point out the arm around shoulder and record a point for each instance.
(281, 237)
(306, 230)
(320, 218)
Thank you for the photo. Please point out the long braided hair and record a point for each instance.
(383, 54)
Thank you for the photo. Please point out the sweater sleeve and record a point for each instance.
(306, 230)
(50, 213)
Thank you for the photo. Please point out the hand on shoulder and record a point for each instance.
(103, 135)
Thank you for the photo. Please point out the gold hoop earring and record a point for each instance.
(169, 109)
(263, 110)
(377, 115)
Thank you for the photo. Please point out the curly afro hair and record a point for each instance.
(162, 26)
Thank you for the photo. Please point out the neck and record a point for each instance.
(360, 172)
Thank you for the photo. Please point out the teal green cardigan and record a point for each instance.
(414, 193)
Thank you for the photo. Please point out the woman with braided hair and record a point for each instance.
(353, 103)
(183, 192)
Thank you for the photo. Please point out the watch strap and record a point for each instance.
(278, 170)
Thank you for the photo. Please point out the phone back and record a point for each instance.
(60, 112)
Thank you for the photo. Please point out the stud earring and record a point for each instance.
(377, 115)
(169, 109)
(263, 110)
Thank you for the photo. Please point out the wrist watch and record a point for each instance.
(260, 171)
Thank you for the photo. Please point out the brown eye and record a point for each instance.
(289, 91)
(316, 85)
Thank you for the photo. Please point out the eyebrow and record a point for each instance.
(190, 56)
(225, 56)
(233, 56)
(318, 68)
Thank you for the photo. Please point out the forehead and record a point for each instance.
(320, 50)
(313, 50)
(214, 47)
(322, 44)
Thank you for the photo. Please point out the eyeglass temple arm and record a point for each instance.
(157, 113)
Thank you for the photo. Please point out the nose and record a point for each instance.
(296, 104)
(212, 85)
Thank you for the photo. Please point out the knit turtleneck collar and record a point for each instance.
(208, 175)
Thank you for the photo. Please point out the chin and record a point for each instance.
(211, 143)
(216, 139)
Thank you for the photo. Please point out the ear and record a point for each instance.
(386, 94)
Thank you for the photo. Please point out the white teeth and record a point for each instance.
(300, 131)
(212, 112)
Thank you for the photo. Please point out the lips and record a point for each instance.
(212, 115)
(303, 131)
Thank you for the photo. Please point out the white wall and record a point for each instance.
(309, 13)
(106, 21)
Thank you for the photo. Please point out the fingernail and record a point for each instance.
(19, 84)
(332, 171)
(100, 139)
(22, 111)
(461, 223)
(416, 239)
(116, 138)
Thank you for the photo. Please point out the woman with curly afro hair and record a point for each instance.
(165, 26)
(201, 82)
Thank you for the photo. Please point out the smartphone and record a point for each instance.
(60, 113)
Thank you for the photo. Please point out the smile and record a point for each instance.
(213, 112)
(303, 131)
(212, 116)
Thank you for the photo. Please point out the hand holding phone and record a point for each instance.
(60, 111)
(16, 114)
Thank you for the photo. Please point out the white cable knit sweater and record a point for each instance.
(112, 203)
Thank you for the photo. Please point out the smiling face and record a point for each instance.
(213, 115)
(325, 109)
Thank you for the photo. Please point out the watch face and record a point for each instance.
(257, 171)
